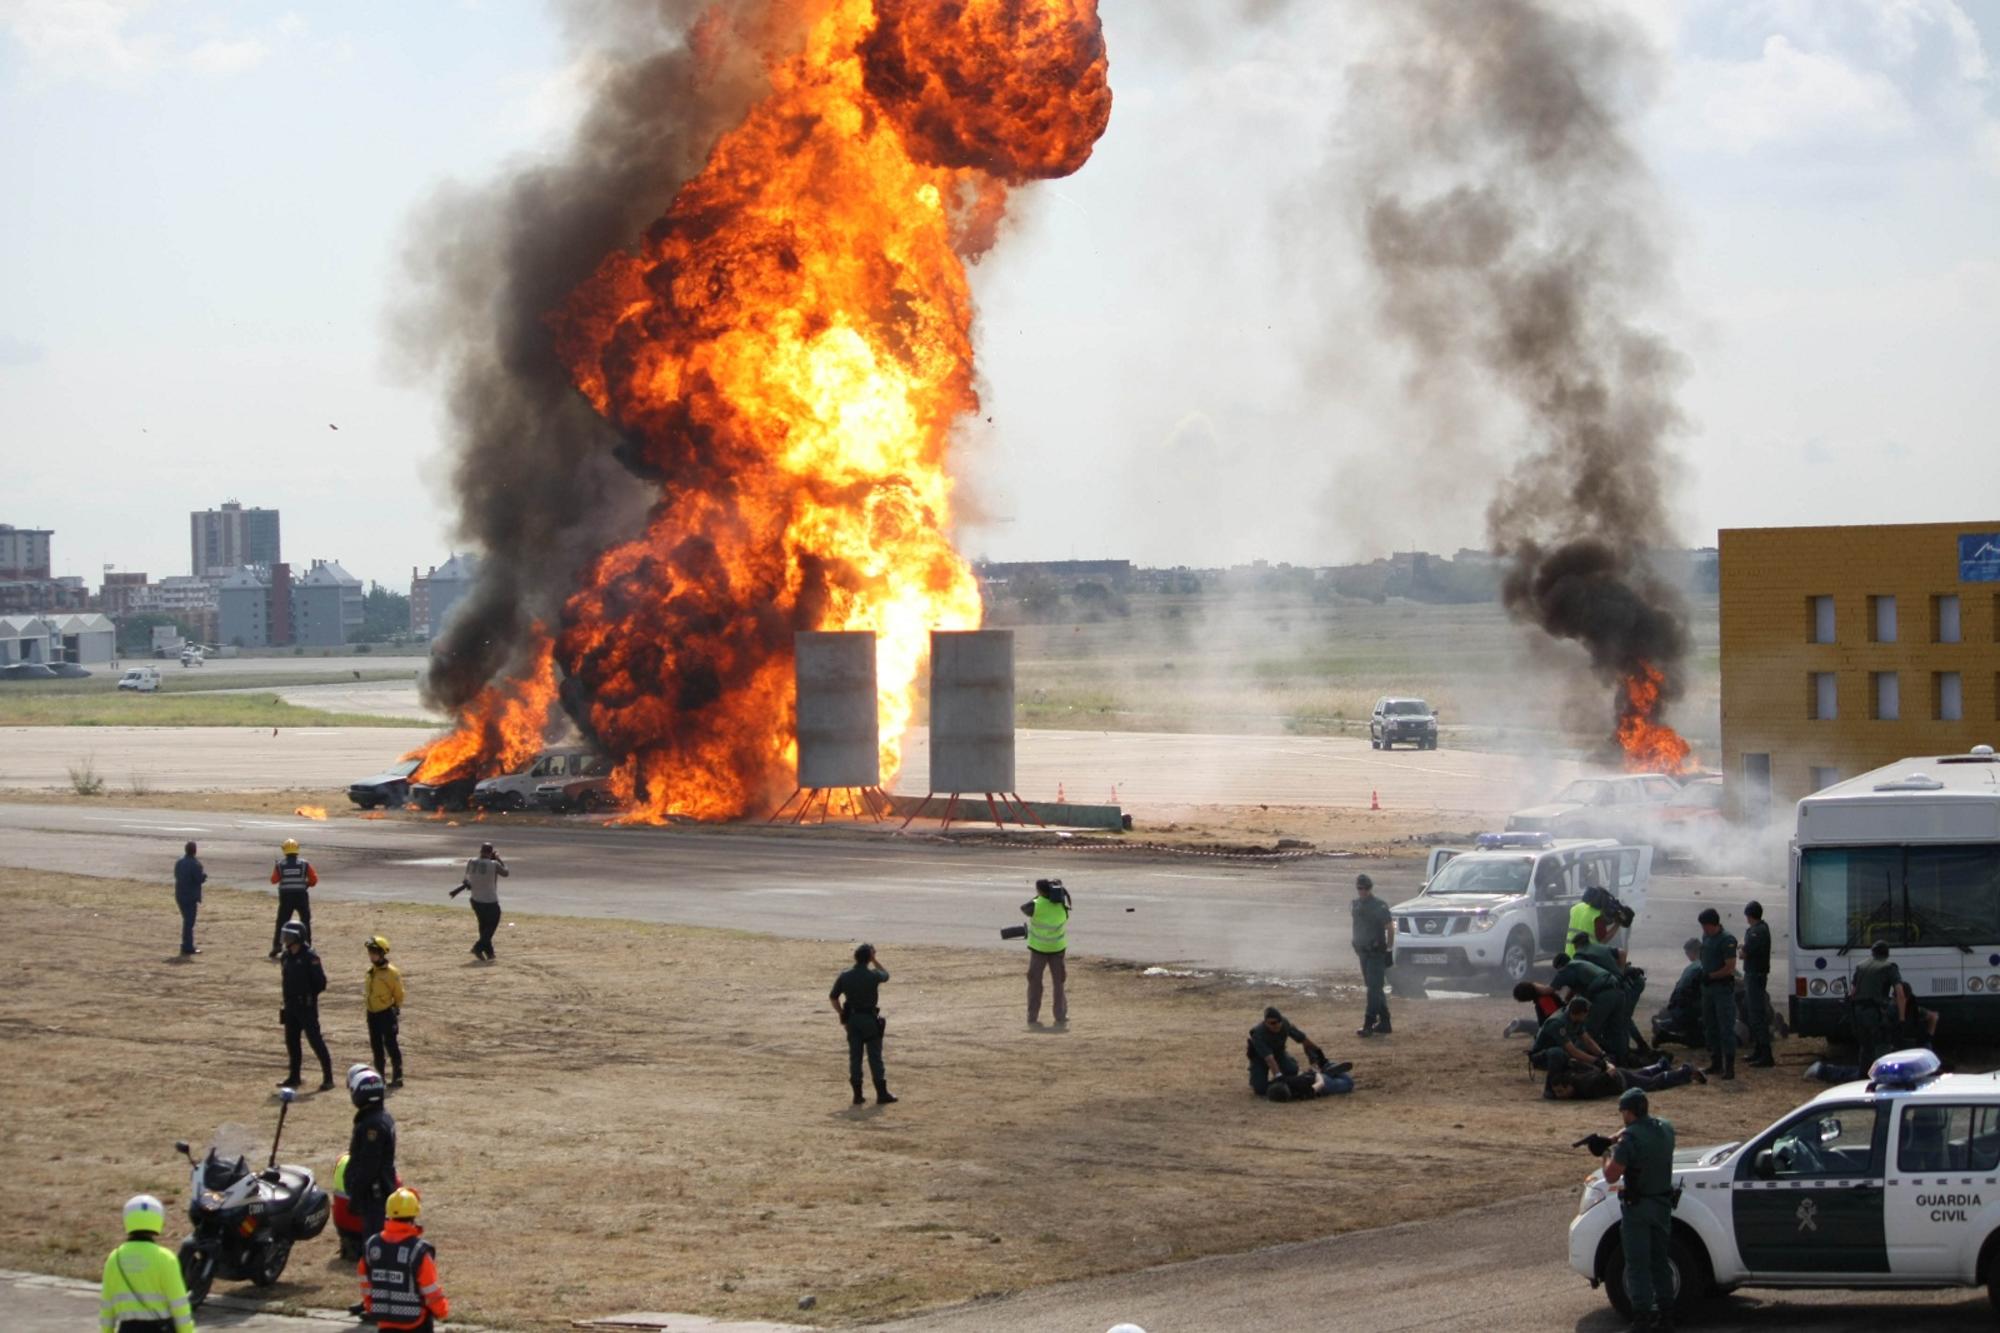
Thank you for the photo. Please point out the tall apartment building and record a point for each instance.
(119, 591)
(24, 552)
(433, 595)
(1847, 648)
(263, 608)
(221, 541)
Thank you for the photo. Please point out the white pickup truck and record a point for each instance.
(1494, 911)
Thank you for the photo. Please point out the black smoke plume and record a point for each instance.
(1509, 223)
(540, 479)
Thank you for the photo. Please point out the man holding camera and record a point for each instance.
(859, 988)
(1374, 945)
(1048, 948)
(483, 874)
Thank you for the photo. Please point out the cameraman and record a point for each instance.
(1048, 948)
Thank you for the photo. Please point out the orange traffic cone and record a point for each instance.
(1114, 793)
(1374, 800)
(1060, 798)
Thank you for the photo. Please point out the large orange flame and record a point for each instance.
(502, 727)
(1650, 746)
(787, 353)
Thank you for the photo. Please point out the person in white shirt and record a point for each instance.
(483, 874)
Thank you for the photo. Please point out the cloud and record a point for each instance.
(106, 41)
(20, 351)
(1789, 96)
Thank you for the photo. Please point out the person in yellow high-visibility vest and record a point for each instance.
(143, 1291)
(1048, 947)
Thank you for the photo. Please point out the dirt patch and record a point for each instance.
(622, 1116)
(120, 795)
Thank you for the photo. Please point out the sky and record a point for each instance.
(209, 204)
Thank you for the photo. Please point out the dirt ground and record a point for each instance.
(620, 1116)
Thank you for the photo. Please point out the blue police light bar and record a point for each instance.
(1904, 1069)
(1493, 841)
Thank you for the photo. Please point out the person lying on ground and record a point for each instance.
(1266, 1050)
(1327, 1079)
(1585, 1083)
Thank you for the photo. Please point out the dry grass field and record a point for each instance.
(620, 1116)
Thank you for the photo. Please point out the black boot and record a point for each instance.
(1761, 1058)
(858, 1098)
(1729, 1069)
(883, 1097)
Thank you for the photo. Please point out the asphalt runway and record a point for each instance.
(1281, 919)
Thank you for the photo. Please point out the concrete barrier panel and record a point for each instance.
(840, 735)
(972, 710)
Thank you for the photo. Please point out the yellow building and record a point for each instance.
(1844, 649)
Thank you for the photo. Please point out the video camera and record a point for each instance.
(1053, 890)
(1607, 902)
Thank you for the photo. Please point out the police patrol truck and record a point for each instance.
(1893, 1182)
(1908, 854)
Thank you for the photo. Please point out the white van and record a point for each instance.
(143, 679)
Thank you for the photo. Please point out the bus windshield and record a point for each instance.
(1850, 897)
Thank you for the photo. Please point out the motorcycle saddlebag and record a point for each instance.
(314, 1211)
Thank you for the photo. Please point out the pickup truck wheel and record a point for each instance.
(1517, 960)
(1374, 744)
(1690, 1278)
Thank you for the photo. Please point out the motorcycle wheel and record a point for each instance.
(273, 1267)
(197, 1272)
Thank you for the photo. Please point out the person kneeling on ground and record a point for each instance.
(1266, 1051)
(1565, 1042)
(1583, 1083)
(1680, 1021)
(1327, 1079)
(1546, 1006)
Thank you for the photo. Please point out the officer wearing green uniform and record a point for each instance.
(856, 1001)
(1642, 1163)
(1374, 945)
(1593, 983)
(1718, 993)
(1756, 985)
(1875, 983)
(143, 1291)
(1617, 1026)
(1564, 1040)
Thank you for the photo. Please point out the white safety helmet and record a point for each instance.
(144, 1213)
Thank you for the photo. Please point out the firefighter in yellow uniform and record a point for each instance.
(399, 1281)
(385, 1011)
(143, 1291)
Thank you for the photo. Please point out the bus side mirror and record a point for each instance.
(1765, 1167)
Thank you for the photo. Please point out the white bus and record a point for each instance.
(1909, 854)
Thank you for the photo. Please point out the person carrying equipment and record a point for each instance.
(384, 991)
(483, 874)
(1642, 1165)
(399, 1280)
(143, 1291)
(371, 1150)
(1048, 948)
(860, 987)
(303, 979)
(294, 876)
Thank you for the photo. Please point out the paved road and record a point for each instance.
(1486, 1269)
(1284, 919)
(1149, 771)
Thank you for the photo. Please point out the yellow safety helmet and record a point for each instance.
(290, 847)
(379, 943)
(144, 1213)
(403, 1204)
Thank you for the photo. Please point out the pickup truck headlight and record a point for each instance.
(1595, 1191)
(1482, 922)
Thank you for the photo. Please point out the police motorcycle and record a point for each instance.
(246, 1221)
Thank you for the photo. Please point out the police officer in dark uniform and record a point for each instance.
(1616, 1026)
(1642, 1159)
(1375, 946)
(1718, 993)
(1875, 1007)
(1756, 985)
(371, 1150)
(855, 999)
(1591, 982)
(303, 978)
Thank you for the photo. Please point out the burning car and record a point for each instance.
(1626, 806)
(586, 789)
(448, 794)
(514, 791)
(388, 788)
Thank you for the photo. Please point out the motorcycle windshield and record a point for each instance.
(230, 1153)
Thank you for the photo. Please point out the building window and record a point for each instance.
(1944, 619)
(1819, 620)
(1947, 697)
(1881, 620)
(1822, 778)
(1756, 783)
(1822, 697)
(1888, 695)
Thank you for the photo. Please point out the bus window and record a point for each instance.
(1847, 896)
(1954, 895)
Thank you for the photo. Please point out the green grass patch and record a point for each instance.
(177, 709)
(175, 679)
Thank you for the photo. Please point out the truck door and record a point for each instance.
(1818, 1205)
(1435, 862)
(1557, 889)
(1937, 1187)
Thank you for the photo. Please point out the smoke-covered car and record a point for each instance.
(1692, 825)
(1402, 721)
(1491, 911)
(389, 789)
(1626, 806)
(453, 794)
(513, 791)
(586, 788)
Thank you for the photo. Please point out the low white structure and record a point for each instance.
(85, 638)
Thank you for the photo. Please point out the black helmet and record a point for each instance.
(366, 1088)
(294, 931)
(1279, 1091)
